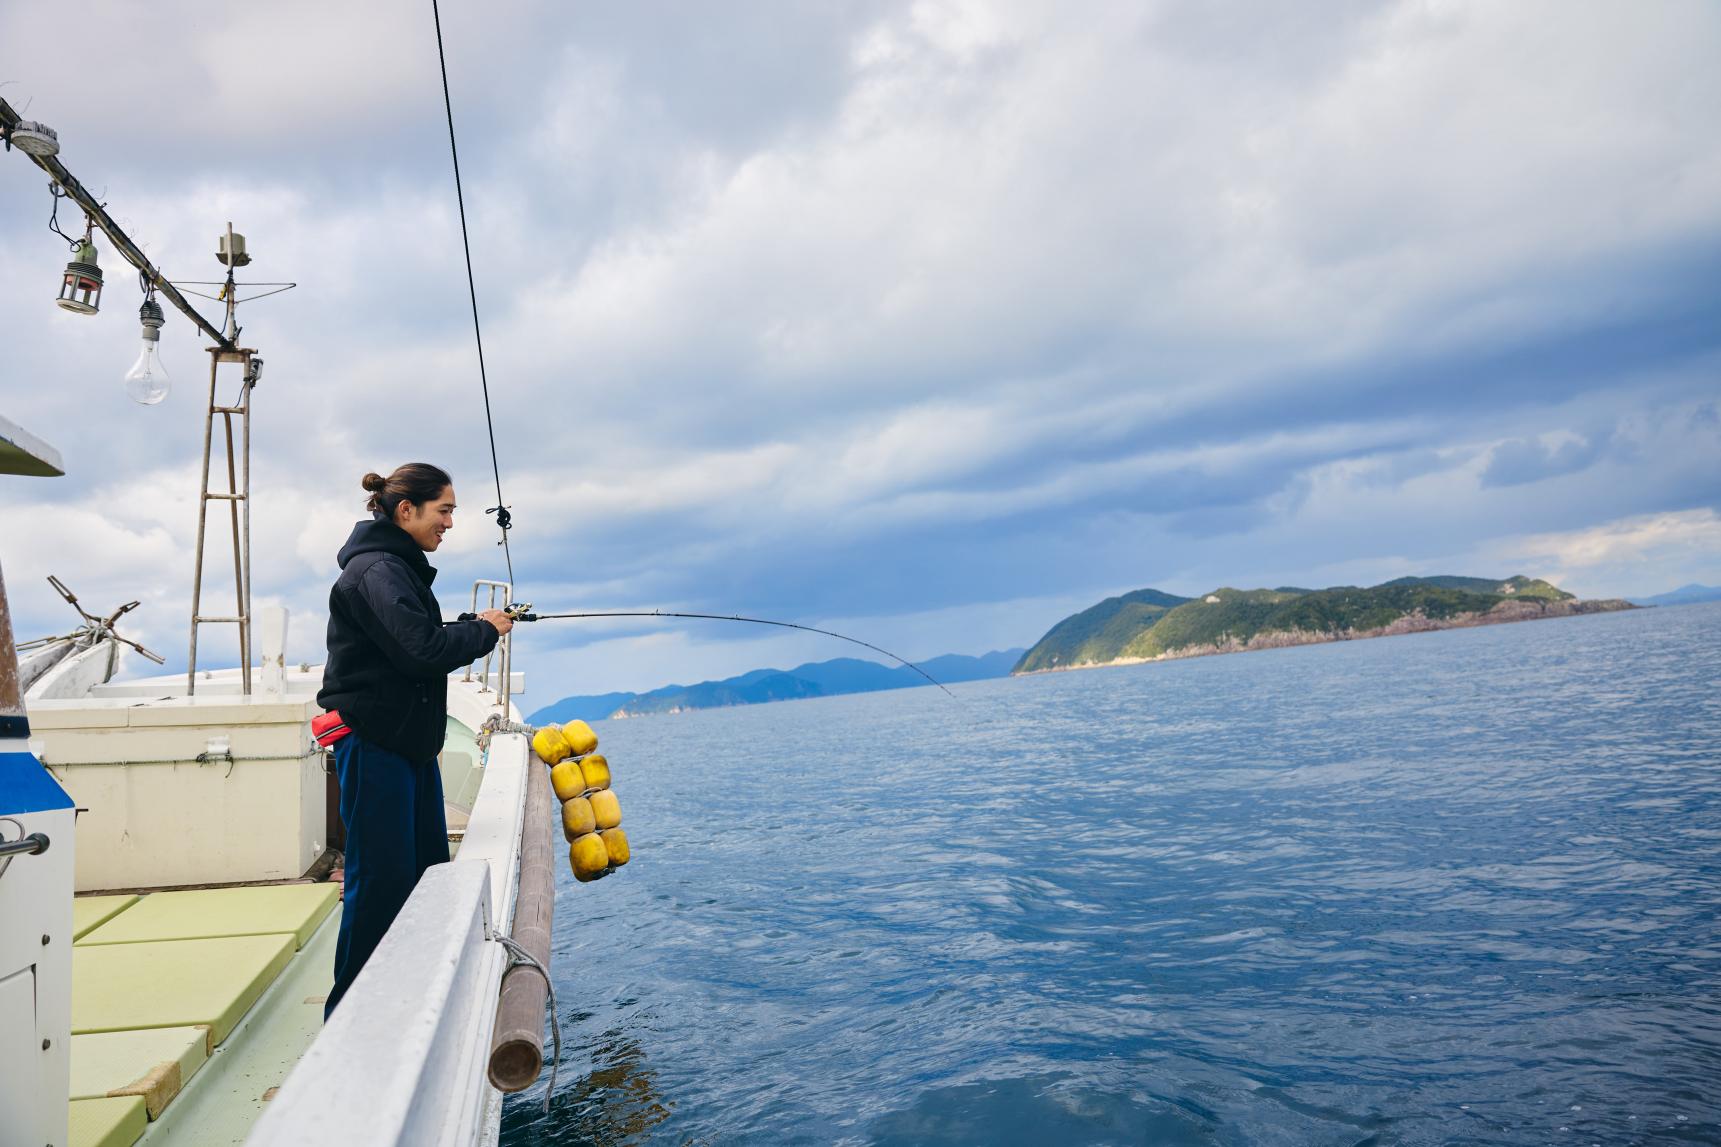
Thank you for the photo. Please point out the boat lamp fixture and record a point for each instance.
(147, 381)
(32, 138)
(81, 285)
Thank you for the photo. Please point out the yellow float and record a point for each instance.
(591, 814)
(579, 737)
(596, 772)
(589, 856)
(549, 744)
(606, 809)
(568, 780)
(578, 818)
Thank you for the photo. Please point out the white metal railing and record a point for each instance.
(403, 1059)
(505, 591)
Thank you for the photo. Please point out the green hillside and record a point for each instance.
(1100, 632)
(1519, 586)
(1238, 613)
(1150, 623)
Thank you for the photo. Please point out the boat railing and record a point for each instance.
(403, 1059)
(501, 596)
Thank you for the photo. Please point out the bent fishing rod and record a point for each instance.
(522, 611)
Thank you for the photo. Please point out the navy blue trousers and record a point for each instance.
(396, 828)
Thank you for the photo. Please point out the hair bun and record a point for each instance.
(374, 482)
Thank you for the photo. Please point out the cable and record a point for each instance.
(500, 509)
(54, 216)
(751, 621)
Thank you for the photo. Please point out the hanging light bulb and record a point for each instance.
(147, 380)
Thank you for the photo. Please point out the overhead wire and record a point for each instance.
(504, 520)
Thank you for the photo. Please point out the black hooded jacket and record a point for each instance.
(390, 652)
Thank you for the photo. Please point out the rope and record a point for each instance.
(504, 521)
(752, 621)
(520, 958)
(496, 723)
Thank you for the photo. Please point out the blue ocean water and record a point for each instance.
(1459, 887)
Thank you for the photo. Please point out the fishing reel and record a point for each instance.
(517, 612)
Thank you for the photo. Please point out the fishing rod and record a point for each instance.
(522, 611)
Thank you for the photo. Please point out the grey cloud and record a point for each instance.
(1525, 460)
(761, 247)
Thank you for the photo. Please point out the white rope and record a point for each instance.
(496, 723)
(518, 958)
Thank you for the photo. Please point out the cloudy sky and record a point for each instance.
(929, 321)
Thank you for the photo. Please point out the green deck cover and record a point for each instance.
(154, 1063)
(108, 1122)
(173, 983)
(90, 912)
(295, 908)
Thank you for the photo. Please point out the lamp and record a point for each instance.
(147, 382)
(81, 286)
(32, 138)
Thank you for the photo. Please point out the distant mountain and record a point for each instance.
(816, 679)
(1149, 624)
(1684, 595)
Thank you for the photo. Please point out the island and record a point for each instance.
(1152, 625)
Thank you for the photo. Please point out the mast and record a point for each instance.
(41, 145)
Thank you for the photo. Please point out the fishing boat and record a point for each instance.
(187, 923)
(169, 858)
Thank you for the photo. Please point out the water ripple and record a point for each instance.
(1455, 887)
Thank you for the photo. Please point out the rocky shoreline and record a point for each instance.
(1521, 609)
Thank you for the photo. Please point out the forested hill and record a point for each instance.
(1149, 623)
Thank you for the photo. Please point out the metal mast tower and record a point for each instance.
(41, 145)
(238, 495)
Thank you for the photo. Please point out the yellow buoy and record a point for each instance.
(605, 808)
(549, 744)
(596, 772)
(578, 818)
(580, 738)
(568, 781)
(615, 841)
(588, 856)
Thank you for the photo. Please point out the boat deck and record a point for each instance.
(162, 986)
(191, 1006)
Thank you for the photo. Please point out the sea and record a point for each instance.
(1453, 887)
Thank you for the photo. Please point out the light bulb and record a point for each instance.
(147, 380)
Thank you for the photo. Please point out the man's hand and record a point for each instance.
(500, 620)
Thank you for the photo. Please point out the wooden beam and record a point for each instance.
(517, 1047)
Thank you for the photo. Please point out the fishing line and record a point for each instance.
(503, 518)
(750, 621)
(500, 509)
